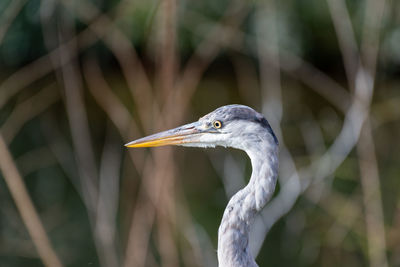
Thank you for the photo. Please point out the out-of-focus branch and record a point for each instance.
(11, 12)
(119, 115)
(315, 144)
(267, 46)
(166, 72)
(101, 220)
(165, 235)
(108, 101)
(312, 136)
(103, 96)
(372, 198)
(373, 23)
(26, 208)
(345, 34)
(203, 253)
(366, 151)
(364, 79)
(319, 168)
(107, 205)
(28, 162)
(132, 68)
(76, 112)
(121, 118)
(205, 52)
(385, 111)
(43, 65)
(115, 110)
(246, 78)
(346, 213)
(62, 151)
(27, 110)
(325, 166)
(119, 122)
(156, 174)
(316, 80)
(81, 140)
(144, 212)
(291, 64)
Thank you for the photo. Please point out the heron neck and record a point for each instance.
(233, 234)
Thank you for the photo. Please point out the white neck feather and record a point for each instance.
(233, 234)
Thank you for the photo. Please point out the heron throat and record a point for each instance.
(233, 234)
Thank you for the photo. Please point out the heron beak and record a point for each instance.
(188, 133)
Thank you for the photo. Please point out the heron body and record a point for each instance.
(239, 127)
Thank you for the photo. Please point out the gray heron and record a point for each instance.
(239, 127)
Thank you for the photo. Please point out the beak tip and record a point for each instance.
(128, 144)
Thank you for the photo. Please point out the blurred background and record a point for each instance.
(79, 79)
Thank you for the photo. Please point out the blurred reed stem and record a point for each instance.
(26, 208)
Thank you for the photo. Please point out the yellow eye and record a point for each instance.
(217, 124)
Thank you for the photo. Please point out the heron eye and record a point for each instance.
(217, 124)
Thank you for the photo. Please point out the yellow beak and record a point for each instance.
(184, 134)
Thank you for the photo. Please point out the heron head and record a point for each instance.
(228, 126)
